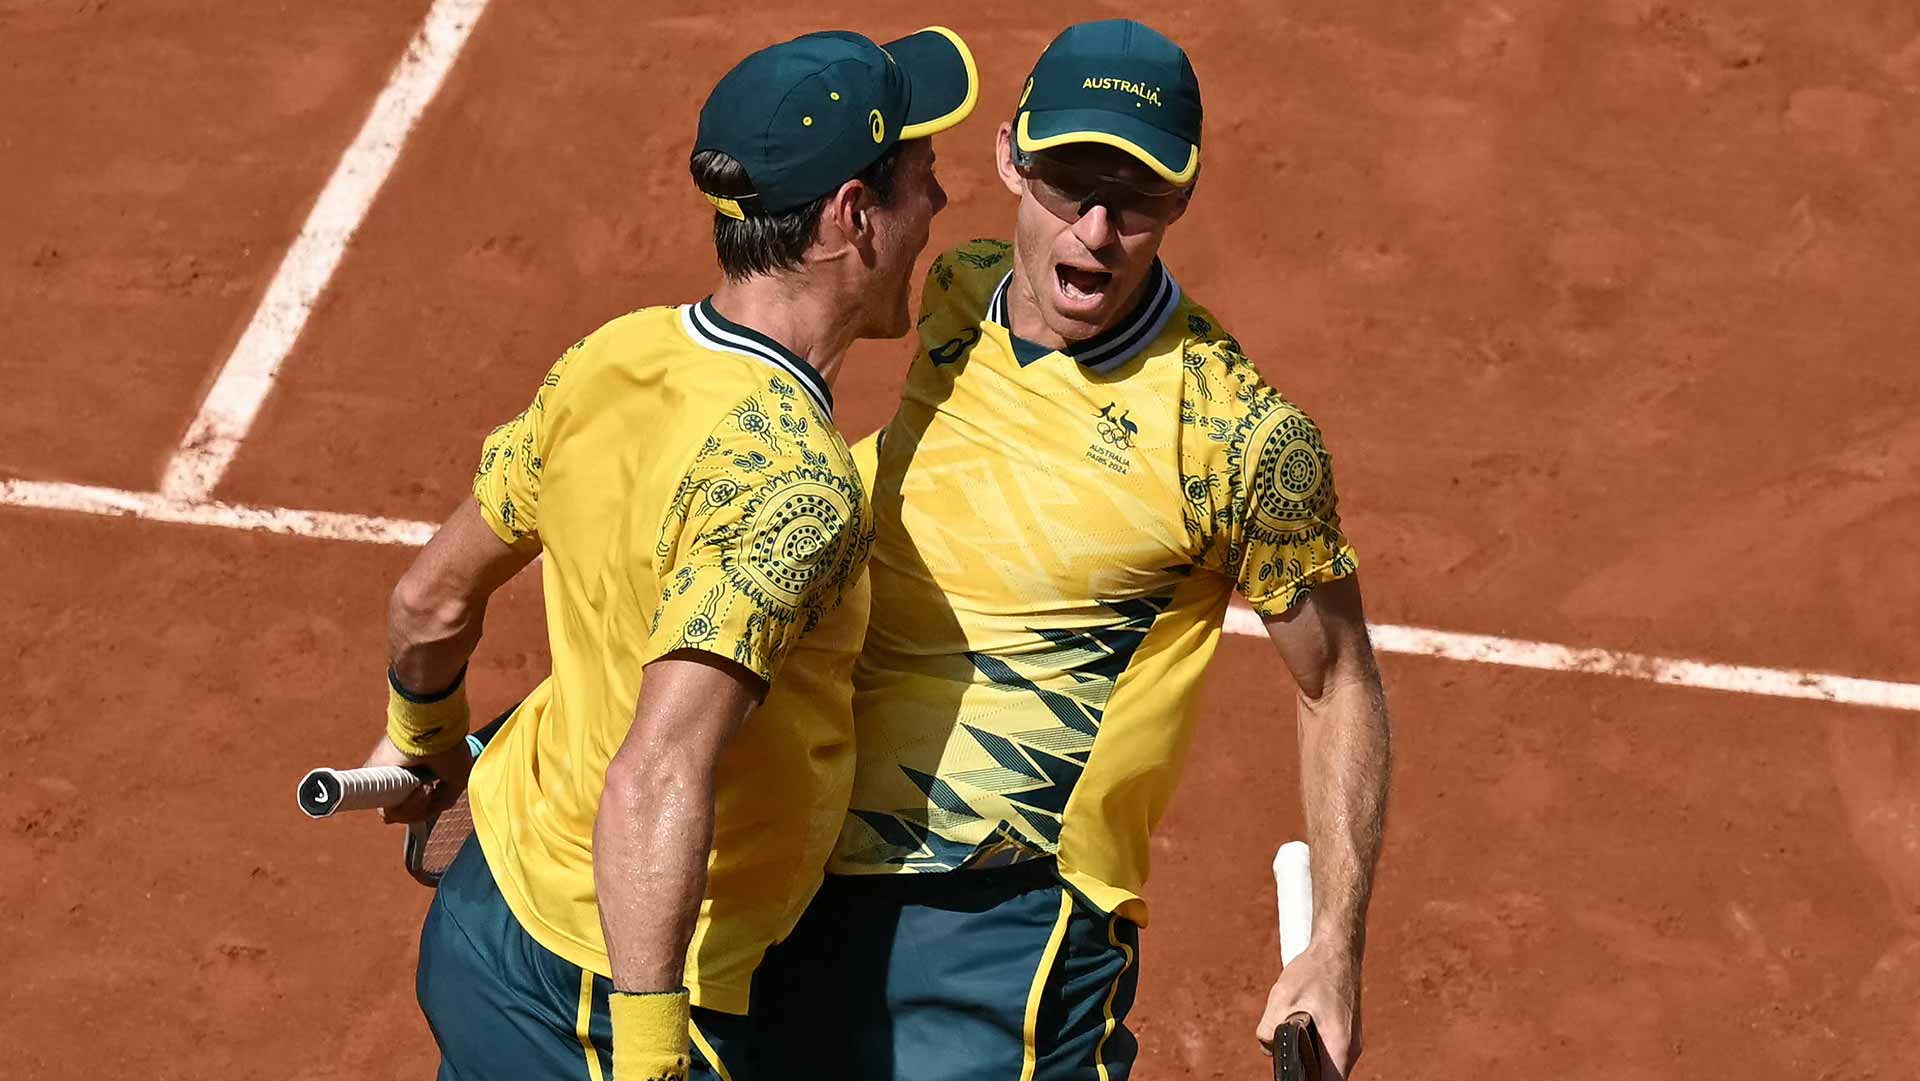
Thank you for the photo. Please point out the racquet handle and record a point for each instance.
(1293, 881)
(325, 792)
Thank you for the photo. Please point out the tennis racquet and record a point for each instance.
(432, 843)
(1296, 1044)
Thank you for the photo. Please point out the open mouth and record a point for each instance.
(1080, 284)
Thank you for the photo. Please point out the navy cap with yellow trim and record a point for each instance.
(805, 116)
(1120, 83)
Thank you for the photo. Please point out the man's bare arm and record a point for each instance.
(1345, 747)
(655, 824)
(434, 619)
(435, 613)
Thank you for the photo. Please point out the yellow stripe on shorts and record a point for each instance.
(1099, 1049)
(706, 1048)
(583, 1020)
(1040, 984)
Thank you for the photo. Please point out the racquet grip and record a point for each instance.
(325, 792)
(1293, 882)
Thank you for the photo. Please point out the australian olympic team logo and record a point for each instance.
(1118, 429)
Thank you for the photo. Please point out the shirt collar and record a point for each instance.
(1120, 343)
(715, 331)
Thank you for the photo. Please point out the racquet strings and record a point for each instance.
(445, 838)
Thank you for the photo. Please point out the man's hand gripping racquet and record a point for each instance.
(432, 842)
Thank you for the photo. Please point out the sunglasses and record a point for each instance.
(1068, 192)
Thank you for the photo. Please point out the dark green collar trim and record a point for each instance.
(716, 331)
(1116, 345)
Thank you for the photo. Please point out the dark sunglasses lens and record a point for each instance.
(1059, 200)
(1068, 194)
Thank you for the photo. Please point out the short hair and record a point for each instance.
(763, 243)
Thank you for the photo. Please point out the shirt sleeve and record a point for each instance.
(507, 483)
(1262, 501)
(768, 530)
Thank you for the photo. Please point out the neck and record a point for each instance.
(813, 322)
(1025, 316)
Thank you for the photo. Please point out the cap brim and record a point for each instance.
(1175, 159)
(945, 82)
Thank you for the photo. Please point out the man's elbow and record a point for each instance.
(422, 609)
(636, 781)
(1353, 675)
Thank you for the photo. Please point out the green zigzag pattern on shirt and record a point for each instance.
(1034, 770)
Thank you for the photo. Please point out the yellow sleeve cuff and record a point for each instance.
(649, 1035)
(422, 725)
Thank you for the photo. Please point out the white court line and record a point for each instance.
(114, 502)
(244, 383)
(1672, 671)
(1387, 637)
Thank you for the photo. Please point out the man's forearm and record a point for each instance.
(654, 830)
(435, 613)
(650, 847)
(429, 642)
(1345, 766)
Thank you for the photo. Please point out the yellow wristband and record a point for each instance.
(649, 1035)
(422, 725)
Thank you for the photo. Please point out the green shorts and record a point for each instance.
(504, 1007)
(1003, 974)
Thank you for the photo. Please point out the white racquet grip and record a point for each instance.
(1293, 879)
(324, 792)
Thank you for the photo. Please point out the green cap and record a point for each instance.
(805, 116)
(1120, 83)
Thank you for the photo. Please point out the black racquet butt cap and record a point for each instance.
(320, 794)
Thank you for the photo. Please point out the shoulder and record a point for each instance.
(1246, 430)
(1222, 393)
(1219, 379)
(623, 342)
(772, 445)
(953, 303)
(781, 496)
(970, 271)
(641, 328)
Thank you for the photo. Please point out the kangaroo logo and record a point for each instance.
(1116, 428)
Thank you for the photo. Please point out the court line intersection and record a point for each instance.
(237, 394)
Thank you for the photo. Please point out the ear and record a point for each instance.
(844, 219)
(1003, 159)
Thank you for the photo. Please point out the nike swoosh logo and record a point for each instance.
(320, 795)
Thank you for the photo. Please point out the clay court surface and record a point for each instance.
(1607, 309)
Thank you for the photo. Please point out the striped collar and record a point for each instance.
(715, 331)
(1121, 342)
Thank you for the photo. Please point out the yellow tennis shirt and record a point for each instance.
(685, 485)
(1057, 540)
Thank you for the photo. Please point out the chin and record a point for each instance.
(1079, 325)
